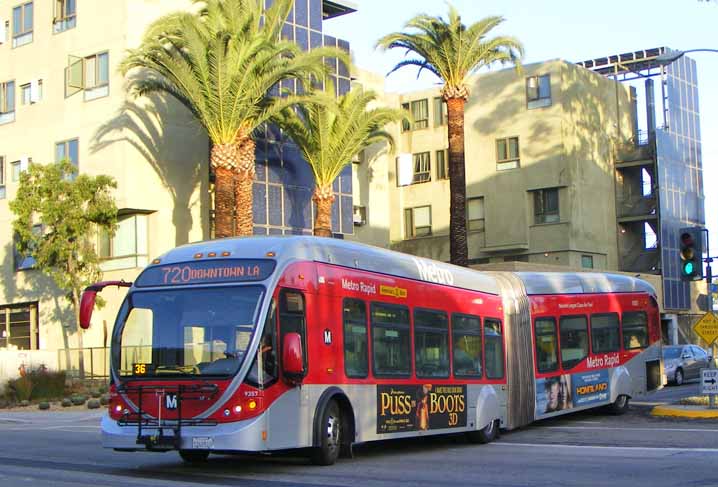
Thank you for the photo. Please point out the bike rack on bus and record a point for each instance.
(162, 441)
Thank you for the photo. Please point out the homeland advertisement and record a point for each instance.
(419, 407)
(570, 391)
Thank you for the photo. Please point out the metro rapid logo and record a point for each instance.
(431, 272)
(606, 360)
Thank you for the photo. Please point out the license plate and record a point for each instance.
(202, 443)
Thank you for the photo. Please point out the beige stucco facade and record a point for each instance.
(156, 153)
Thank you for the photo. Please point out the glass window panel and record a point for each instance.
(514, 148)
(420, 113)
(532, 88)
(546, 345)
(103, 69)
(574, 340)
(72, 150)
(605, 333)
(422, 216)
(356, 358)
(442, 167)
(27, 20)
(25, 94)
(544, 88)
(390, 340)
(60, 153)
(467, 353)
(587, 261)
(501, 149)
(494, 352)
(16, 21)
(124, 242)
(431, 343)
(142, 238)
(635, 330)
(90, 72)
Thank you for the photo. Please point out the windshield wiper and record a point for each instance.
(177, 369)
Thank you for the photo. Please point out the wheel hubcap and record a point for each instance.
(332, 432)
(621, 401)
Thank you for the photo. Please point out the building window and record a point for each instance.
(25, 261)
(417, 221)
(90, 74)
(538, 91)
(68, 151)
(65, 15)
(18, 167)
(3, 192)
(546, 206)
(127, 249)
(587, 261)
(18, 327)
(31, 92)
(475, 214)
(422, 167)
(507, 153)
(359, 216)
(440, 117)
(405, 123)
(22, 24)
(420, 113)
(442, 164)
(7, 102)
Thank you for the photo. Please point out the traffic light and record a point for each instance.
(691, 248)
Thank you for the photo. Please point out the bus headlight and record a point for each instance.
(237, 409)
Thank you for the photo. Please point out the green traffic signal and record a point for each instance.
(688, 268)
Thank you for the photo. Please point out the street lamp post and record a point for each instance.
(668, 57)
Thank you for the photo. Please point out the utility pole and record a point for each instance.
(709, 281)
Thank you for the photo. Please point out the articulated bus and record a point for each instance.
(263, 344)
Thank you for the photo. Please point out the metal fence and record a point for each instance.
(94, 362)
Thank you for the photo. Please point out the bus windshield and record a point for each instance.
(186, 332)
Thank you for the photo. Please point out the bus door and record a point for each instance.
(289, 417)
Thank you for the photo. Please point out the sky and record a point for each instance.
(569, 30)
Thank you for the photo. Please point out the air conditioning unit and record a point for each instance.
(359, 216)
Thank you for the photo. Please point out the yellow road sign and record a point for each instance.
(707, 327)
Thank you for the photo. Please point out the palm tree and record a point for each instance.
(222, 61)
(453, 51)
(329, 133)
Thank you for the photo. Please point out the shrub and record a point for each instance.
(93, 404)
(78, 400)
(67, 402)
(20, 389)
(24, 404)
(95, 394)
(47, 385)
(105, 399)
(44, 406)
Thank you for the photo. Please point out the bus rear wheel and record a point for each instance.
(620, 405)
(485, 435)
(193, 457)
(330, 436)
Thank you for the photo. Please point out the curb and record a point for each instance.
(679, 412)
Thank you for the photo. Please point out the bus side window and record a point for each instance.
(466, 336)
(431, 343)
(356, 358)
(635, 330)
(494, 349)
(264, 368)
(605, 333)
(292, 318)
(573, 331)
(546, 345)
(391, 340)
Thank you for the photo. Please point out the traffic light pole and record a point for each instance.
(709, 280)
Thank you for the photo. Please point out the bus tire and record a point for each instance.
(485, 435)
(620, 405)
(330, 435)
(194, 457)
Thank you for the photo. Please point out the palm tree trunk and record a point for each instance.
(457, 182)
(222, 159)
(243, 188)
(323, 198)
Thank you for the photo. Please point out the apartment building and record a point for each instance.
(62, 97)
(565, 166)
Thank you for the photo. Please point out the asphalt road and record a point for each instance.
(590, 449)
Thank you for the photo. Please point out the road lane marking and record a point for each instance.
(600, 447)
(610, 428)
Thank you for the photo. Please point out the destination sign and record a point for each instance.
(206, 272)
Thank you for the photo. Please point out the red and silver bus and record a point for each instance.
(264, 344)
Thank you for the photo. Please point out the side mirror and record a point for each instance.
(292, 358)
(87, 305)
(87, 302)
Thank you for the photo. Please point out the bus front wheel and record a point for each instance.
(194, 457)
(485, 435)
(620, 405)
(330, 436)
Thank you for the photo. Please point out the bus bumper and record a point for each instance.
(248, 435)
